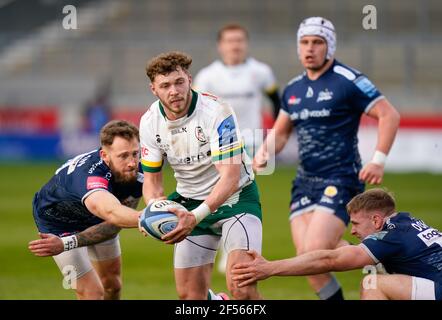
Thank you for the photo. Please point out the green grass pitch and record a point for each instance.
(147, 263)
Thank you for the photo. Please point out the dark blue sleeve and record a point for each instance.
(85, 182)
(362, 93)
(382, 245)
(284, 101)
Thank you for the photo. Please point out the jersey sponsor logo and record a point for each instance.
(94, 166)
(178, 130)
(309, 93)
(190, 159)
(294, 101)
(366, 86)
(326, 199)
(331, 191)
(431, 236)
(419, 225)
(144, 152)
(227, 131)
(163, 146)
(96, 183)
(199, 134)
(306, 114)
(324, 95)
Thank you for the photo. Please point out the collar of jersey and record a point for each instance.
(191, 108)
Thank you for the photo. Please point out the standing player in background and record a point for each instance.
(80, 211)
(241, 81)
(325, 105)
(200, 138)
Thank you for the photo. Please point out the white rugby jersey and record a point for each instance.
(192, 144)
(241, 86)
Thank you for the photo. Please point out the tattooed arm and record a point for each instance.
(51, 245)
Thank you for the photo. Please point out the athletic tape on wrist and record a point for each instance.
(201, 212)
(69, 242)
(379, 158)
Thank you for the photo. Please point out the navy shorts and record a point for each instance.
(314, 193)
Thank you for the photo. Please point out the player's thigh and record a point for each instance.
(324, 231)
(392, 286)
(106, 259)
(299, 226)
(241, 232)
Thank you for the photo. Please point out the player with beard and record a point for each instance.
(325, 105)
(80, 211)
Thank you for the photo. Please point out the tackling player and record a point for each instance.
(324, 105)
(80, 211)
(410, 251)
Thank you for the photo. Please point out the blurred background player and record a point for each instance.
(200, 138)
(241, 81)
(325, 105)
(96, 192)
(409, 250)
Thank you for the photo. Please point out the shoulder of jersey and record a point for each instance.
(211, 104)
(346, 72)
(257, 64)
(151, 111)
(296, 79)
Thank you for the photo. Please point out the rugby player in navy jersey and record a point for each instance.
(324, 105)
(80, 211)
(409, 250)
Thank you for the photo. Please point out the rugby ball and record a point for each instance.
(156, 220)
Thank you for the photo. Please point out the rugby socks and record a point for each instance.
(331, 291)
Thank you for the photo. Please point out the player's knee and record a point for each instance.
(245, 293)
(191, 295)
(91, 292)
(112, 285)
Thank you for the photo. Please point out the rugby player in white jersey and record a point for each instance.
(242, 82)
(200, 138)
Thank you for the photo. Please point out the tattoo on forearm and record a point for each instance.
(96, 234)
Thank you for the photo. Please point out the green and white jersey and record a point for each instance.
(242, 87)
(193, 144)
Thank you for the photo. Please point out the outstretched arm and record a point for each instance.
(314, 262)
(51, 245)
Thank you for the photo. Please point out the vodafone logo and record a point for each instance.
(144, 152)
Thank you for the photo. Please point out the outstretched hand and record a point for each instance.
(48, 245)
(186, 223)
(247, 273)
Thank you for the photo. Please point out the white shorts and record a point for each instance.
(78, 260)
(242, 231)
(422, 289)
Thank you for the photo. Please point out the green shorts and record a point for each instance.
(248, 202)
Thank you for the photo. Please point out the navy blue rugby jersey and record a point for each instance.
(59, 205)
(326, 113)
(406, 245)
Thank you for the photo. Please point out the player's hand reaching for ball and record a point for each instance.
(186, 223)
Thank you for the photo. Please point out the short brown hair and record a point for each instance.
(372, 200)
(118, 128)
(166, 63)
(229, 27)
